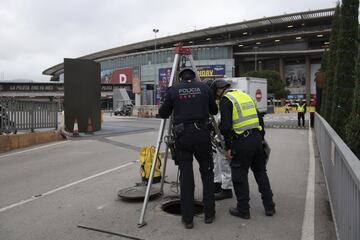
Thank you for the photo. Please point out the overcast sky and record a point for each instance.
(37, 34)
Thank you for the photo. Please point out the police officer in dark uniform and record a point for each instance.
(243, 129)
(191, 103)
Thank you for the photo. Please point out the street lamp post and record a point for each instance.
(155, 32)
(255, 53)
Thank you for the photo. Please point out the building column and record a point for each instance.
(281, 69)
(307, 78)
(137, 99)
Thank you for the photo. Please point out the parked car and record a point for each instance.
(125, 110)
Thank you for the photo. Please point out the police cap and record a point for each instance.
(187, 74)
(219, 84)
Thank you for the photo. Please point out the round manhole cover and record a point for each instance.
(174, 207)
(137, 193)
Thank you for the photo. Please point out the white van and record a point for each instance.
(255, 87)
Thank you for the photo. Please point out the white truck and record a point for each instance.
(255, 87)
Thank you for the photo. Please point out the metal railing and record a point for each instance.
(342, 174)
(27, 115)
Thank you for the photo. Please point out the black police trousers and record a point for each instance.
(301, 116)
(248, 153)
(195, 142)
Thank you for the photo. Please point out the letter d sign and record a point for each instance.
(122, 78)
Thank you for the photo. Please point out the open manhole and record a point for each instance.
(174, 207)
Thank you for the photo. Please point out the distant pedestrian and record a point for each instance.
(312, 109)
(287, 108)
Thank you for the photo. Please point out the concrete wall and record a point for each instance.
(11, 142)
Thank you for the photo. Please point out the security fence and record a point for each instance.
(26, 115)
(342, 174)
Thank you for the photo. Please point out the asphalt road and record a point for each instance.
(47, 191)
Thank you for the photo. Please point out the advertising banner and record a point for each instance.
(117, 76)
(205, 71)
(164, 78)
(122, 76)
(106, 75)
(211, 71)
(295, 78)
(136, 79)
(315, 69)
(31, 87)
(44, 87)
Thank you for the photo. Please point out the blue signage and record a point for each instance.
(211, 70)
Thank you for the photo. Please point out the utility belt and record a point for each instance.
(246, 133)
(181, 128)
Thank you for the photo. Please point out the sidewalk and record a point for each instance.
(288, 176)
(94, 203)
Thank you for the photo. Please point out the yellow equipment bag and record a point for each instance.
(146, 159)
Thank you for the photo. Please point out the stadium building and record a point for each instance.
(291, 44)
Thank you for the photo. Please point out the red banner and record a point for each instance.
(122, 76)
(136, 80)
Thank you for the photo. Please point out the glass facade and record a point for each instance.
(165, 56)
(150, 62)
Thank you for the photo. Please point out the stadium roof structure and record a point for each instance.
(228, 34)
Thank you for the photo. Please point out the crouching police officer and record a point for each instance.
(243, 134)
(192, 102)
(222, 170)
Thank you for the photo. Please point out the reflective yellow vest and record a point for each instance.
(311, 109)
(301, 108)
(244, 116)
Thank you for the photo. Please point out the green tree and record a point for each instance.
(344, 74)
(321, 100)
(329, 64)
(275, 85)
(352, 129)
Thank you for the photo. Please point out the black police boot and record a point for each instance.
(224, 194)
(217, 188)
(235, 212)
(209, 220)
(270, 210)
(188, 225)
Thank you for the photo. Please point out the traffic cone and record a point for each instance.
(75, 129)
(89, 126)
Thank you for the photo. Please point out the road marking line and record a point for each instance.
(32, 149)
(101, 207)
(63, 187)
(308, 227)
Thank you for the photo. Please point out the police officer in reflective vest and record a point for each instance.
(301, 109)
(243, 131)
(191, 103)
(312, 110)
